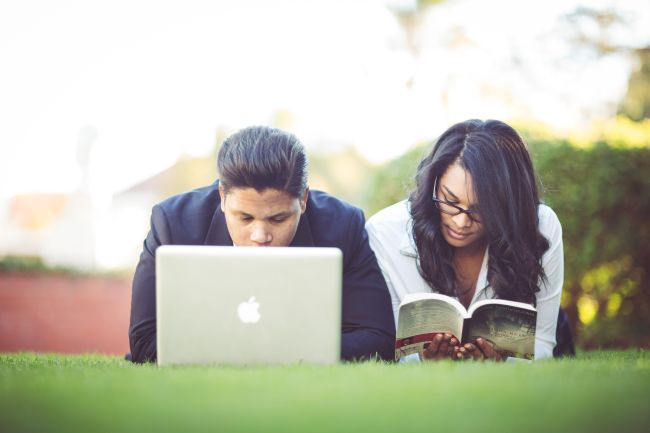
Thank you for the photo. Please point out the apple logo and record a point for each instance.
(248, 311)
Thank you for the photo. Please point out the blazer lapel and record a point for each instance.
(218, 231)
(303, 237)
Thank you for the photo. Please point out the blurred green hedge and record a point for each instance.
(601, 193)
(35, 265)
(26, 264)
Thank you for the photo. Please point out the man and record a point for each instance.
(262, 199)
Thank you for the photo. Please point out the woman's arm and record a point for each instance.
(385, 242)
(383, 259)
(548, 298)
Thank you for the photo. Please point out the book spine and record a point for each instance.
(415, 339)
(466, 327)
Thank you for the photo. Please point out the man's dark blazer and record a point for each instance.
(195, 218)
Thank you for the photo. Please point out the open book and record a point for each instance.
(508, 325)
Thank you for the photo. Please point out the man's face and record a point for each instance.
(261, 219)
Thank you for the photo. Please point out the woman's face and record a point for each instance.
(456, 187)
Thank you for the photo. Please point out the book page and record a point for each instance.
(479, 304)
(510, 328)
(419, 320)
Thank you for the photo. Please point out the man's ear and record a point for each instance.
(222, 194)
(303, 201)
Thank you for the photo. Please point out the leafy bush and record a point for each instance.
(602, 197)
(392, 182)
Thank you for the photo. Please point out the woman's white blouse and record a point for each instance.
(391, 238)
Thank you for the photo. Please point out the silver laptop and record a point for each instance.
(246, 305)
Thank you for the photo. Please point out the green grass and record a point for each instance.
(597, 392)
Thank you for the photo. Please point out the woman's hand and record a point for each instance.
(479, 351)
(443, 346)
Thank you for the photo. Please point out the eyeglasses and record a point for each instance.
(452, 209)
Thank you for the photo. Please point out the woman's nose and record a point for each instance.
(462, 220)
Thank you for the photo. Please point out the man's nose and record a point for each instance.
(260, 235)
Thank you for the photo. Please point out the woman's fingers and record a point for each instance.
(472, 352)
(480, 351)
(432, 350)
(442, 346)
(443, 349)
(453, 346)
(487, 349)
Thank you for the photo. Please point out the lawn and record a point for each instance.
(596, 392)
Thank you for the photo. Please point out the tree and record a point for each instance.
(636, 102)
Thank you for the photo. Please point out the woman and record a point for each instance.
(474, 229)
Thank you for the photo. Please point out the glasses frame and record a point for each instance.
(437, 202)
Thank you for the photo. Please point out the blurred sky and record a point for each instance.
(151, 80)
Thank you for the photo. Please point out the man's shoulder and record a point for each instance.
(325, 206)
(188, 215)
(333, 221)
(204, 199)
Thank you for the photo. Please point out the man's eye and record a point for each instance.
(278, 220)
(247, 218)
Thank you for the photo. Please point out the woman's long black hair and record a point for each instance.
(506, 189)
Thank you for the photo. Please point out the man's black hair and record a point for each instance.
(260, 157)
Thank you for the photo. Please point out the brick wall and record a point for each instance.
(52, 313)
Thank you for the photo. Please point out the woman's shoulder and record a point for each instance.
(390, 232)
(395, 215)
(391, 226)
(549, 223)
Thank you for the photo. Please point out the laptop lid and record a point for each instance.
(246, 305)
